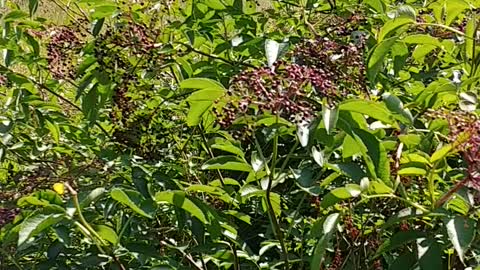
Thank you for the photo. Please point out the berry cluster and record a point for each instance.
(3, 80)
(351, 230)
(337, 261)
(281, 91)
(341, 27)
(7, 215)
(341, 63)
(322, 69)
(115, 50)
(64, 45)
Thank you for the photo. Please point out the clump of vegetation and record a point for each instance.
(236, 134)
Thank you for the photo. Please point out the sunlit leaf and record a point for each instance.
(131, 199)
(179, 199)
(377, 57)
(231, 163)
(35, 224)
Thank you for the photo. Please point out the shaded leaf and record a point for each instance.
(328, 229)
(399, 240)
(461, 232)
(429, 254)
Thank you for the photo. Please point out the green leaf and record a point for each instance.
(461, 232)
(41, 198)
(8, 57)
(412, 171)
(227, 146)
(54, 130)
(406, 11)
(377, 56)
(206, 94)
(201, 83)
(214, 4)
(92, 197)
(458, 204)
(373, 109)
(100, 12)
(470, 37)
(351, 170)
(378, 5)
(328, 229)
(131, 199)
(14, 15)
(231, 163)
(398, 240)
(421, 51)
(180, 200)
(215, 191)
(340, 194)
(106, 233)
(405, 261)
(395, 105)
(275, 200)
(422, 39)
(453, 9)
(97, 26)
(241, 216)
(414, 158)
(429, 254)
(404, 214)
(410, 140)
(440, 153)
(391, 26)
(378, 187)
(196, 112)
(32, 7)
(35, 224)
(376, 153)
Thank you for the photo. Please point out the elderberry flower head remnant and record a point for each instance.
(342, 63)
(62, 49)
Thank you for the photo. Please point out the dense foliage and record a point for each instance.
(240, 134)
